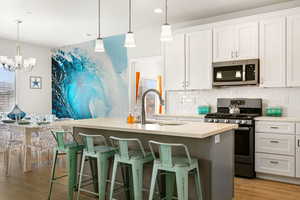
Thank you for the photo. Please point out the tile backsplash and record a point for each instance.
(187, 102)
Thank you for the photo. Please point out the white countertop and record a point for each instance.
(278, 119)
(188, 129)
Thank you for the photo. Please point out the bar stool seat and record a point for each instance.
(175, 167)
(136, 160)
(102, 153)
(71, 149)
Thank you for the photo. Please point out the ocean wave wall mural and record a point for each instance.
(86, 84)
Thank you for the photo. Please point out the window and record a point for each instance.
(6, 90)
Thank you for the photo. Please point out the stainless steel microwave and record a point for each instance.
(242, 72)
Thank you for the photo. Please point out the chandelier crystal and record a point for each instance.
(17, 62)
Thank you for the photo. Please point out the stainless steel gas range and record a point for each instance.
(245, 112)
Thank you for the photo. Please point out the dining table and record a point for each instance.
(27, 130)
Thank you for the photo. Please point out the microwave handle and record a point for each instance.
(244, 72)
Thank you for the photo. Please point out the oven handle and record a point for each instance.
(243, 129)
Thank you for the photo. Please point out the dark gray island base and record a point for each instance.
(216, 160)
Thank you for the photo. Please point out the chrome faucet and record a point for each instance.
(143, 103)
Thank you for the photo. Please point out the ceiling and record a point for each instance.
(57, 23)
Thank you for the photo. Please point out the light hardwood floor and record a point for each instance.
(34, 186)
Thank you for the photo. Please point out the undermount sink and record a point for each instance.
(164, 123)
(170, 123)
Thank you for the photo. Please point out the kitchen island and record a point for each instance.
(212, 144)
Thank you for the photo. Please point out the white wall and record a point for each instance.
(32, 100)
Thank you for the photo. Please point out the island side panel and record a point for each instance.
(210, 155)
(222, 171)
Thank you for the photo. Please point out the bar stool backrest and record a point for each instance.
(165, 152)
(90, 141)
(122, 145)
(60, 138)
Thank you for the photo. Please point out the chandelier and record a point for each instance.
(17, 63)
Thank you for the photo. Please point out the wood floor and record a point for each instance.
(34, 186)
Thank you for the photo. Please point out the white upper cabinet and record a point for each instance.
(236, 42)
(247, 41)
(175, 63)
(199, 60)
(293, 49)
(273, 52)
(224, 43)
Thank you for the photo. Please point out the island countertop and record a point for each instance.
(187, 129)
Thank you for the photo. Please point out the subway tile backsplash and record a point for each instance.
(187, 102)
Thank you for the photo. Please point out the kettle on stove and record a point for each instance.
(234, 109)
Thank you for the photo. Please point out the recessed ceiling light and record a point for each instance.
(158, 10)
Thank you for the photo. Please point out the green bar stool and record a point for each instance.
(71, 149)
(134, 158)
(178, 168)
(102, 154)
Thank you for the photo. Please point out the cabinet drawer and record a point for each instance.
(275, 164)
(275, 143)
(298, 128)
(275, 127)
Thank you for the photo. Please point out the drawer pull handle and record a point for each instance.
(274, 127)
(274, 162)
(274, 141)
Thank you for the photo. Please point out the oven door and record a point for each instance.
(244, 144)
(228, 75)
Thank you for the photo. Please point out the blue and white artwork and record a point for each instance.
(86, 84)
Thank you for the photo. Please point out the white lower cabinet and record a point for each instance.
(275, 143)
(298, 128)
(298, 156)
(276, 148)
(275, 164)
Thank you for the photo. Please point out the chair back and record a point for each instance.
(165, 152)
(90, 141)
(61, 138)
(123, 148)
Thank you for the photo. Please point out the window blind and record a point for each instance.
(6, 90)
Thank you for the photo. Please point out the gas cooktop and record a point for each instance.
(231, 116)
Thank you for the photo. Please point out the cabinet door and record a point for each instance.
(224, 43)
(247, 41)
(293, 49)
(298, 156)
(175, 63)
(199, 60)
(273, 52)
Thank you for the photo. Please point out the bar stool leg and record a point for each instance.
(55, 153)
(72, 172)
(80, 175)
(113, 179)
(153, 181)
(103, 164)
(198, 184)
(137, 173)
(170, 180)
(182, 184)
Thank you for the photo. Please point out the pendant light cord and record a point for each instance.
(166, 12)
(99, 17)
(18, 37)
(130, 16)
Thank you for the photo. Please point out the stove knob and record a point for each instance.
(226, 121)
(238, 121)
(216, 120)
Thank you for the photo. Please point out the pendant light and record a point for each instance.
(129, 40)
(166, 29)
(99, 45)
